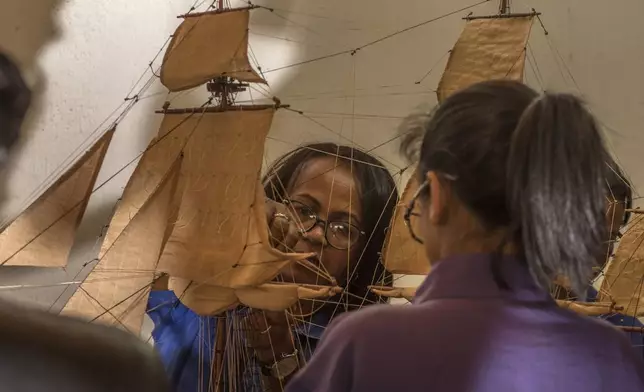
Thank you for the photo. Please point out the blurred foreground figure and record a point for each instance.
(40, 351)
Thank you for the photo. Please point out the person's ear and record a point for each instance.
(438, 198)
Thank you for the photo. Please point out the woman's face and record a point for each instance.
(331, 192)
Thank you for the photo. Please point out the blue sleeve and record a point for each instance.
(331, 367)
(184, 341)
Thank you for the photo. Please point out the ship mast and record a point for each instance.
(504, 7)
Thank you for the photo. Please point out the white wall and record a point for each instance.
(101, 48)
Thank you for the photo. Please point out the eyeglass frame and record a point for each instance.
(412, 203)
(318, 221)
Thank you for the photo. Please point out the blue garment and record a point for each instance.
(637, 338)
(464, 333)
(185, 342)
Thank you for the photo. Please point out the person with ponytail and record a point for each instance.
(512, 195)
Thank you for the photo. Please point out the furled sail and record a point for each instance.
(43, 235)
(116, 291)
(407, 293)
(588, 308)
(624, 277)
(401, 253)
(207, 299)
(281, 296)
(487, 49)
(208, 45)
(221, 237)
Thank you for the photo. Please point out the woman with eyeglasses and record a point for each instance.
(330, 200)
(513, 194)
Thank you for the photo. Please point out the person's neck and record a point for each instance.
(475, 240)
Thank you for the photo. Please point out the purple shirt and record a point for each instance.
(463, 333)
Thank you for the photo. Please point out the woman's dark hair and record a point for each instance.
(15, 97)
(535, 165)
(378, 197)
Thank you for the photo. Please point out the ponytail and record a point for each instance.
(556, 184)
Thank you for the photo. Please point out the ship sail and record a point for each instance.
(488, 48)
(208, 45)
(116, 291)
(43, 235)
(589, 308)
(622, 284)
(209, 299)
(407, 293)
(401, 253)
(153, 166)
(281, 296)
(221, 215)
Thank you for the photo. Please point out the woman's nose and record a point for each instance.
(316, 235)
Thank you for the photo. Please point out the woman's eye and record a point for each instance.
(340, 229)
(305, 211)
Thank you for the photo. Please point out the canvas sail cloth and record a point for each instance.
(207, 299)
(43, 235)
(487, 49)
(208, 45)
(624, 278)
(220, 236)
(116, 291)
(401, 253)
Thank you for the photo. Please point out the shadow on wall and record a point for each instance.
(25, 29)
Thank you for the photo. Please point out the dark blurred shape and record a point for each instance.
(40, 351)
(14, 102)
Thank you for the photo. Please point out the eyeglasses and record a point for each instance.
(339, 235)
(409, 211)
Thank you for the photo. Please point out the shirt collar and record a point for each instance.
(471, 276)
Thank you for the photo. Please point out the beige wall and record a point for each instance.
(83, 56)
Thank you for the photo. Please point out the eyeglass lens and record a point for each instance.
(340, 235)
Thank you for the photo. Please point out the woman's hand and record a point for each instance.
(283, 230)
(269, 334)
